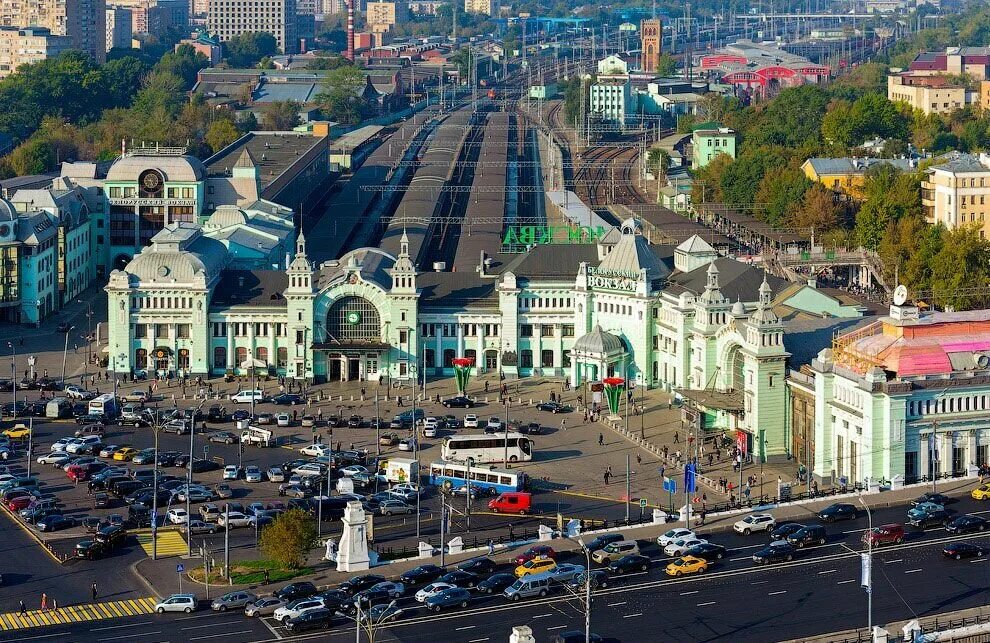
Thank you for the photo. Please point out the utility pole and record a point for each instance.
(226, 541)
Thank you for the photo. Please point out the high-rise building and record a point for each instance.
(486, 7)
(120, 26)
(386, 13)
(651, 39)
(229, 18)
(83, 21)
(22, 46)
(155, 16)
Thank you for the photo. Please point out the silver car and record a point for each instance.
(264, 606)
(252, 474)
(233, 600)
(275, 474)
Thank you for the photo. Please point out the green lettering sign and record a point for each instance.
(545, 235)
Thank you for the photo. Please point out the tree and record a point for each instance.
(817, 209)
(247, 49)
(666, 65)
(714, 106)
(184, 63)
(658, 162)
(889, 197)
(777, 193)
(280, 115)
(342, 96)
(287, 540)
(221, 133)
(162, 90)
(324, 61)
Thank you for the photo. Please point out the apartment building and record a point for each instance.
(229, 18)
(155, 16)
(930, 94)
(22, 46)
(120, 27)
(486, 7)
(957, 192)
(386, 13)
(83, 21)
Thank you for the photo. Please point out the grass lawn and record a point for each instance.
(251, 572)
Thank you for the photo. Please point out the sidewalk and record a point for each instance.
(976, 622)
(161, 575)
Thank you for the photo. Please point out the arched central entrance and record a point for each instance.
(353, 337)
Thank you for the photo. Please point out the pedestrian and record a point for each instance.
(601, 439)
(639, 459)
(266, 576)
(44, 601)
(295, 415)
(677, 438)
(710, 458)
(23, 609)
(607, 475)
(512, 536)
(491, 547)
(486, 386)
(54, 604)
(661, 471)
(563, 425)
(362, 392)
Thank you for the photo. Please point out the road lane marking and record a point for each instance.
(196, 627)
(689, 593)
(732, 560)
(633, 615)
(843, 582)
(708, 603)
(556, 627)
(132, 634)
(827, 571)
(542, 616)
(466, 627)
(978, 560)
(912, 571)
(759, 582)
(117, 627)
(478, 640)
(616, 604)
(213, 636)
(896, 560)
(783, 591)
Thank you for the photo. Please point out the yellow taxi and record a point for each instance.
(17, 432)
(687, 565)
(124, 454)
(535, 566)
(981, 493)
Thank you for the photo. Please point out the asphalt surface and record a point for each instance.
(817, 592)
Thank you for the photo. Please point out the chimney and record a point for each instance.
(350, 30)
(481, 265)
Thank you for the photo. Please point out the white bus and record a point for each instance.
(486, 448)
(105, 404)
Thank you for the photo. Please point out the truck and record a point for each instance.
(258, 437)
(400, 470)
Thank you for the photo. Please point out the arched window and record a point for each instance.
(283, 357)
(141, 358)
(448, 357)
(261, 354)
(220, 357)
(242, 354)
(183, 358)
(353, 319)
(430, 358)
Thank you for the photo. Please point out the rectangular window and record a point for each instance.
(526, 359)
(567, 330)
(219, 329)
(546, 358)
(161, 331)
(546, 330)
(526, 330)
(403, 337)
(182, 331)
(140, 331)
(300, 336)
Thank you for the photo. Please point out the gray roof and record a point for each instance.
(174, 168)
(373, 265)
(178, 254)
(737, 280)
(855, 165)
(598, 341)
(632, 253)
(298, 92)
(805, 338)
(250, 288)
(551, 261)
(33, 228)
(456, 290)
(960, 162)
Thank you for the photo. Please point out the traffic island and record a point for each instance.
(249, 572)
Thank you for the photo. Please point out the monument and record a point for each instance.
(352, 553)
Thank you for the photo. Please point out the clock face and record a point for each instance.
(151, 181)
(353, 318)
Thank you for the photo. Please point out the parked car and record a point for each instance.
(663, 539)
(177, 603)
(966, 524)
(296, 590)
(709, 551)
(545, 551)
(263, 607)
(297, 607)
(448, 598)
(809, 535)
(459, 402)
(838, 511)
(422, 575)
(480, 565)
(778, 552)
(496, 583)
(233, 600)
(754, 522)
(318, 618)
(629, 563)
(958, 551)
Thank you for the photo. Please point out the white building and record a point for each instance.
(119, 27)
(611, 101)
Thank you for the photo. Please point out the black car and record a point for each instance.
(293, 591)
(932, 496)
(20, 408)
(92, 418)
(202, 466)
(355, 421)
(288, 399)
(708, 551)
(959, 551)
(777, 552)
(599, 579)
(50, 384)
(101, 500)
(167, 458)
(223, 437)
(784, 530)
(6, 386)
(111, 537)
(422, 575)
(496, 583)
(966, 524)
(240, 414)
(125, 487)
(838, 511)
(336, 600)
(927, 519)
(27, 384)
(217, 413)
(601, 541)
(459, 402)
(89, 549)
(809, 535)
(554, 407)
(318, 618)
(576, 636)
(460, 578)
(480, 565)
(377, 594)
(629, 563)
(360, 583)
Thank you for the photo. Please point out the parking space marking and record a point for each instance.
(843, 582)
(783, 591)
(78, 613)
(827, 571)
(633, 615)
(896, 560)
(556, 627)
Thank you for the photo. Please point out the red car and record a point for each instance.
(892, 534)
(536, 551)
(20, 502)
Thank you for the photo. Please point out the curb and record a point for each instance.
(34, 536)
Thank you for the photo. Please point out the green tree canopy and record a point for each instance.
(247, 49)
(221, 133)
(280, 115)
(342, 96)
(289, 538)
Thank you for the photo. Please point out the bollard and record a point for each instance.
(352, 397)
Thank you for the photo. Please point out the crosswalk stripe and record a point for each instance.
(124, 607)
(78, 613)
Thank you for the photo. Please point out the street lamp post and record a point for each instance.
(154, 494)
(89, 336)
(869, 549)
(13, 374)
(65, 352)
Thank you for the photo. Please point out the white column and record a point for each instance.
(438, 351)
(480, 349)
(272, 357)
(924, 455)
(460, 340)
(230, 346)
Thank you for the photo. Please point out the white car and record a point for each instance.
(297, 607)
(470, 421)
(83, 442)
(245, 397)
(405, 487)
(430, 432)
(74, 392)
(177, 603)
(62, 443)
(681, 546)
(283, 419)
(430, 423)
(674, 534)
(309, 469)
(353, 469)
(754, 522)
(431, 590)
(316, 450)
(233, 520)
(55, 457)
(407, 444)
(495, 423)
(253, 474)
(177, 516)
(231, 472)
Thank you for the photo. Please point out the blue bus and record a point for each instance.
(451, 476)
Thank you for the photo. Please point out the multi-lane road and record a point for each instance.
(818, 592)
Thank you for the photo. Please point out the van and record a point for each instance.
(527, 586)
(58, 408)
(512, 502)
(615, 551)
(111, 537)
(20, 483)
(90, 430)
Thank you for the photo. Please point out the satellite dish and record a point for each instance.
(900, 295)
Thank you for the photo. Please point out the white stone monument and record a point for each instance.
(455, 545)
(331, 549)
(545, 533)
(522, 634)
(352, 556)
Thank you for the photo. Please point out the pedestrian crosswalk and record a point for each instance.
(170, 543)
(77, 613)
